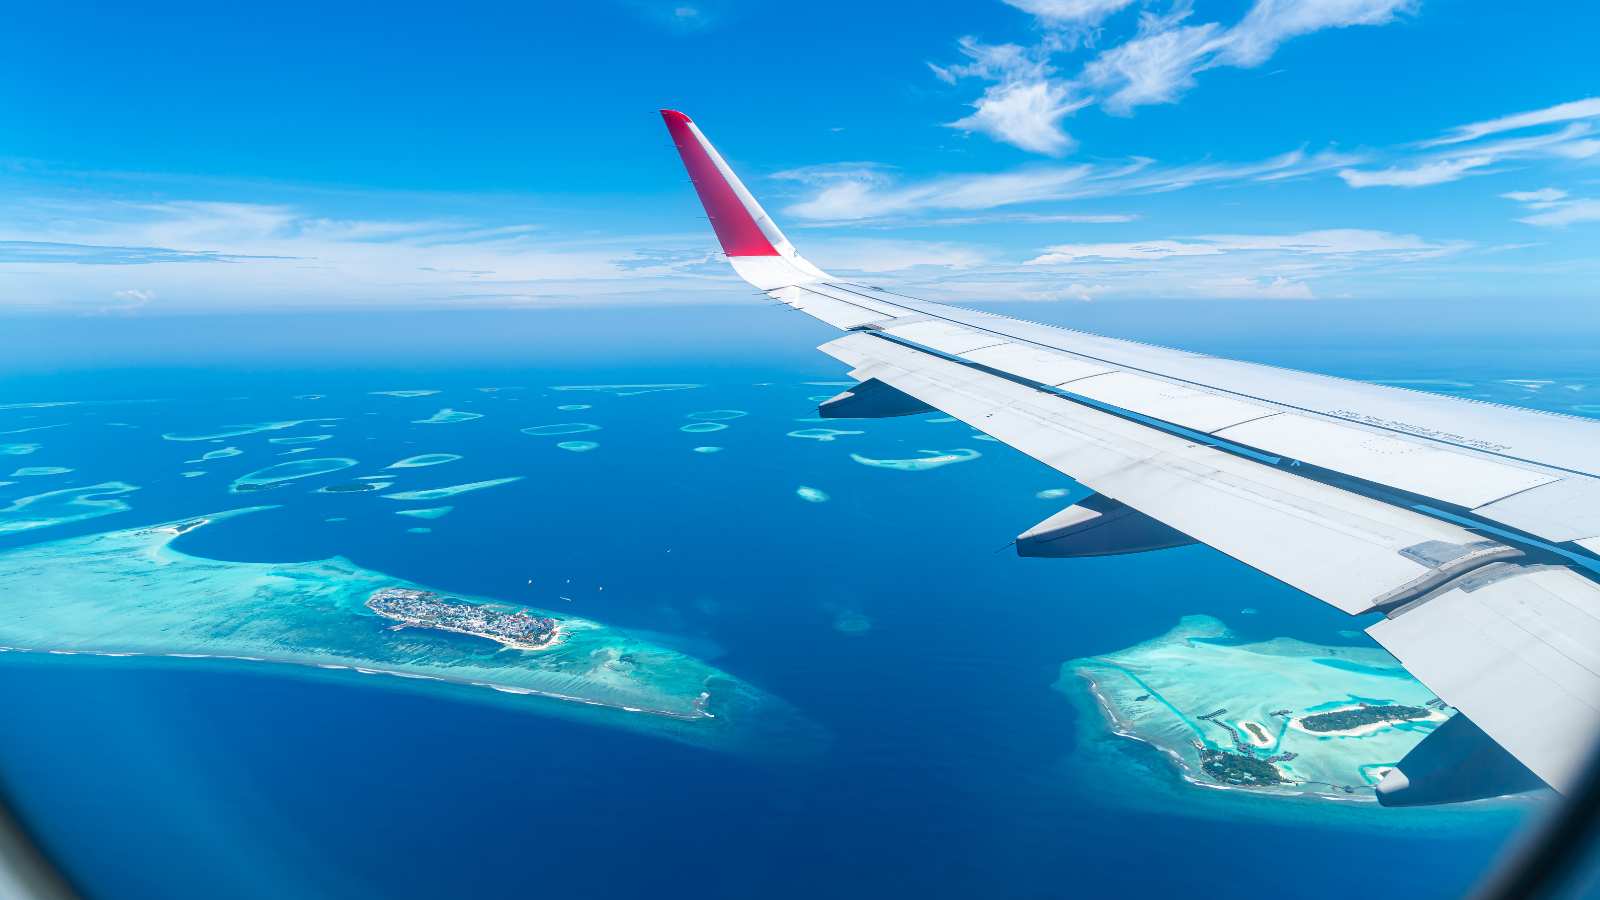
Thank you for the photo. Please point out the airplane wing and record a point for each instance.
(1472, 528)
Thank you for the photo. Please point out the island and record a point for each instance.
(425, 609)
(133, 595)
(1363, 717)
(1279, 717)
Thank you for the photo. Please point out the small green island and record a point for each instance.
(1362, 715)
(1280, 717)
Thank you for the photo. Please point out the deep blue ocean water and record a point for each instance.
(954, 769)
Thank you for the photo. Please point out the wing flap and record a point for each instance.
(1513, 648)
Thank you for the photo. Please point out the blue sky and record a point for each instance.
(1054, 150)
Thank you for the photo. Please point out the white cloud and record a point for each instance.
(1457, 162)
(1038, 219)
(1160, 64)
(1588, 108)
(1025, 106)
(1295, 266)
(1566, 212)
(851, 199)
(1271, 22)
(1329, 242)
(72, 254)
(1027, 102)
(1241, 287)
(1542, 195)
(855, 193)
(1071, 12)
(880, 256)
(678, 17)
(1026, 115)
(1422, 175)
(1554, 208)
(1155, 68)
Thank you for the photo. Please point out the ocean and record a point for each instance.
(916, 744)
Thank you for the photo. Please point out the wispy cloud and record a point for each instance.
(679, 16)
(1304, 265)
(1542, 195)
(857, 193)
(1071, 12)
(1567, 212)
(72, 253)
(1464, 156)
(1437, 172)
(1028, 100)
(1025, 106)
(1588, 108)
(1554, 208)
(1333, 242)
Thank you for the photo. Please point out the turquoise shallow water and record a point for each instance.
(898, 642)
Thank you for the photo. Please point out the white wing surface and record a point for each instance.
(1472, 528)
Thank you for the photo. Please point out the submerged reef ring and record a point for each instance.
(575, 407)
(1053, 493)
(18, 449)
(821, 434)
(358, 486)
(424, 459)
(852, 622)
(63, 506)
(811, 494)
(264, 479)
(703, 427)
(717, 415)
(300, 439)
(432, 512)
(228, 431)
(219, 453)
(933, 460)
(31, 471)
(1281, 716)
(708, 449)
(448, 416)
(403, 394)
(439, 493)
(560, 428)
(129, 593)
(578, 446)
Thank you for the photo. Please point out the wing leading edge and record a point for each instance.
(1473, 528)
